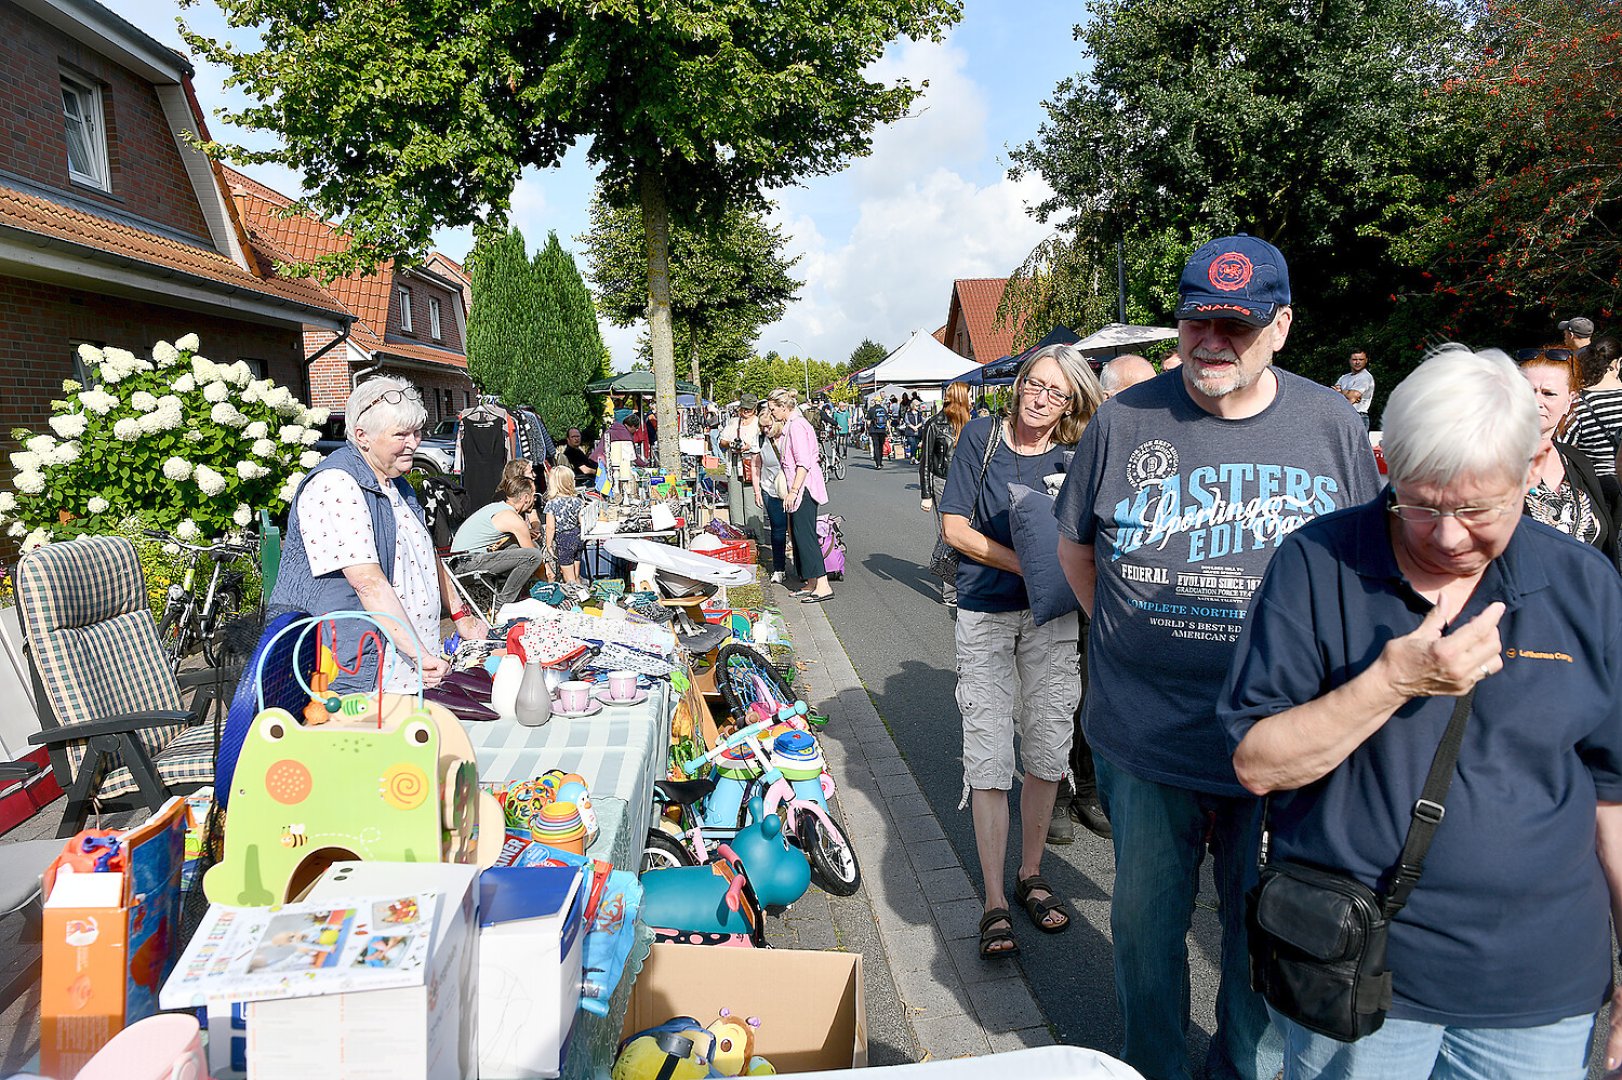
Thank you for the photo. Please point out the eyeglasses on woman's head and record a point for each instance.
(393, 397)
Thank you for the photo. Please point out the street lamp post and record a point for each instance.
(806, 360)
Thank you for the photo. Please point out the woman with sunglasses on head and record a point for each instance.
(356, 540)
(1010, 669)
(1565, 490)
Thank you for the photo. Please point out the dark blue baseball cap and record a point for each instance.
(1236, 277)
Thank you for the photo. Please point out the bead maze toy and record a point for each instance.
(385, 776)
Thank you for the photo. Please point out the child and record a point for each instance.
(563, 523)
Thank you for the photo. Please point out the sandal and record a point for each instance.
(991, 935)
(1040, 907)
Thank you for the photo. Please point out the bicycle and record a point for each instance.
(190, 620)
(833, 462)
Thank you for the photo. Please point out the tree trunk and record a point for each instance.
(656, 225)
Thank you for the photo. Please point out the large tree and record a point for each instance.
(865, 355)
(1309, 127)
(405, 117)
(570, 347)
(503, 332)
(728, 278)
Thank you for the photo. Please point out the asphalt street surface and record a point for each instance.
(888, 616)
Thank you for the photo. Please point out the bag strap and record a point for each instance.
(1428, 809)
(992, 440)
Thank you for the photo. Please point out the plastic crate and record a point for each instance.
(741, 552)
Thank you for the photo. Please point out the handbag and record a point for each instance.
(1318, 937)
(943, 560)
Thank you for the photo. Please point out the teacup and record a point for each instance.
(574, 696)
(622, 685)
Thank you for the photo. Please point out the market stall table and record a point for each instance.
(594, 536)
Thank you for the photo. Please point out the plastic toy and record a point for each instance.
(735, 1046)
(678, 1049)
(558, 825)
(95, 851)
(386, 777)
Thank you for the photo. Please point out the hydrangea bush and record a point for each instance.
(178, 442)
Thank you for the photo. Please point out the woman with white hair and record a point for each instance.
(1436, 622)
(1010, 670)
(356, 540)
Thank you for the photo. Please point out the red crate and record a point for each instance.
(741, 552)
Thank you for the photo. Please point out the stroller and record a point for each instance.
(832, 542)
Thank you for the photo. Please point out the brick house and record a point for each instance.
(113, 228)
(971, 320)
(410, 322)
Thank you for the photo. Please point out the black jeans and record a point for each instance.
(1082, 772)
(802, 523)
(877, 439)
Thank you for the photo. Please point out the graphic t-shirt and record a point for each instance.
(981, 587)
(1184, 511)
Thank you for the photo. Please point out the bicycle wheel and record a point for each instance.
(664, 852)
(745, 675)
(836, 467)
(833, 860)
(217, 640)
(174, 634)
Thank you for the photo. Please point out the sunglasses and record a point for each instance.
(1523, 355)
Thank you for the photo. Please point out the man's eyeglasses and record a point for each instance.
(1052, 393)
(393, 397)
(1468, 516)
(1523, 355)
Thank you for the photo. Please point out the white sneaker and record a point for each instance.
(777, 577)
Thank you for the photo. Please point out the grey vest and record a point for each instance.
(299, 590)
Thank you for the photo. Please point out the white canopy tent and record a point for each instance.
(921, 364)
(1116, 338)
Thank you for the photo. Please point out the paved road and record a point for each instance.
(899, 637)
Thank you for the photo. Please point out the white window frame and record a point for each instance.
(405, 309)
(92, 122)
(433, 318)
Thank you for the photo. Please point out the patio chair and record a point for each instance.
(110, 709)
(22, 865)
(477, 588)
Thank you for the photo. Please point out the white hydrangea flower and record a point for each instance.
(8, 502)
(185, 384)
(171, 549)
(30, 482)
(263, 448)
(309, 459)
(98, 505)
(99, 402)
(317, 416)
(205, 370)
(290, 488)
(227, 414)
(282, 400)
(89, 355)
(26, 461)
(243, 514)
(176, 468)
(216, 391)
(142, 401)
(36, 539)
(41, 445)
(256, 430)
(291, 434)
(160, 420)
(187, 530)
(211, 482)
(251, 470)
(165, 354)
(17, 529)
(186, 343)
(71, 386)
(193, 435)
(127, 430)
(69, 425)
(310, 437)
(238, 374)
(65, 454)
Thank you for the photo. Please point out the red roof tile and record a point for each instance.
(974, 308)
(46, 217)
(940, 334)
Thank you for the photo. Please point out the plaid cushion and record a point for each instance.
(188, 759)
(84, 610)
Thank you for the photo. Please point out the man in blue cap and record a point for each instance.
(1180, 489)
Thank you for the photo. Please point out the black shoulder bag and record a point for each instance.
(1318, 937)
(943, 560)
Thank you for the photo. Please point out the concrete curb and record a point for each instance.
(923, 902)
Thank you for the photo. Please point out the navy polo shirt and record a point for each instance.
(1510, 924)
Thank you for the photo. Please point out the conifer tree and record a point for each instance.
(502, 331)
(570, 345)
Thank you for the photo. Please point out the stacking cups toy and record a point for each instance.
(558, 825)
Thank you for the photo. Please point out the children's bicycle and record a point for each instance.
(744, 675)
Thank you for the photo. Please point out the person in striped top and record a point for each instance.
(1596, 422)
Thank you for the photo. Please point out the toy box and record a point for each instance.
(810, 1005)
(108, 942)
(427, 1032)
(531, 936)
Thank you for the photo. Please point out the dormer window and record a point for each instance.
(405, 310)
(86, 133)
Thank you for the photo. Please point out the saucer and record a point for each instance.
(590, 710)
(601, 694)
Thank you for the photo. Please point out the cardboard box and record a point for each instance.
(812, 1013)
(531, 936)
(108, 943)
(426, 1032)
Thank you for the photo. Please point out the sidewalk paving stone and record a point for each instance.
(1003, 1004)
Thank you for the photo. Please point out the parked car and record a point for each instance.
(439, 446)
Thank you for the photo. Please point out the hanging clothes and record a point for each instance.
(486, 439)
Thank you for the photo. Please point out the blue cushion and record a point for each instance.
(1036, 542)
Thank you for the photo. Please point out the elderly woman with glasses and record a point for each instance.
(356, 540)
(1565, 491)
(1368, 627)
(1010, 670)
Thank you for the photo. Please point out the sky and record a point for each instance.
(879, 243)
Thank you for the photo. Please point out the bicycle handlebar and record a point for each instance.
(201, 549)
(738, 738)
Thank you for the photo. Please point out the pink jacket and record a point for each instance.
(797, 447)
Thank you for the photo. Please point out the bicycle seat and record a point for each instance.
(683, 792)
